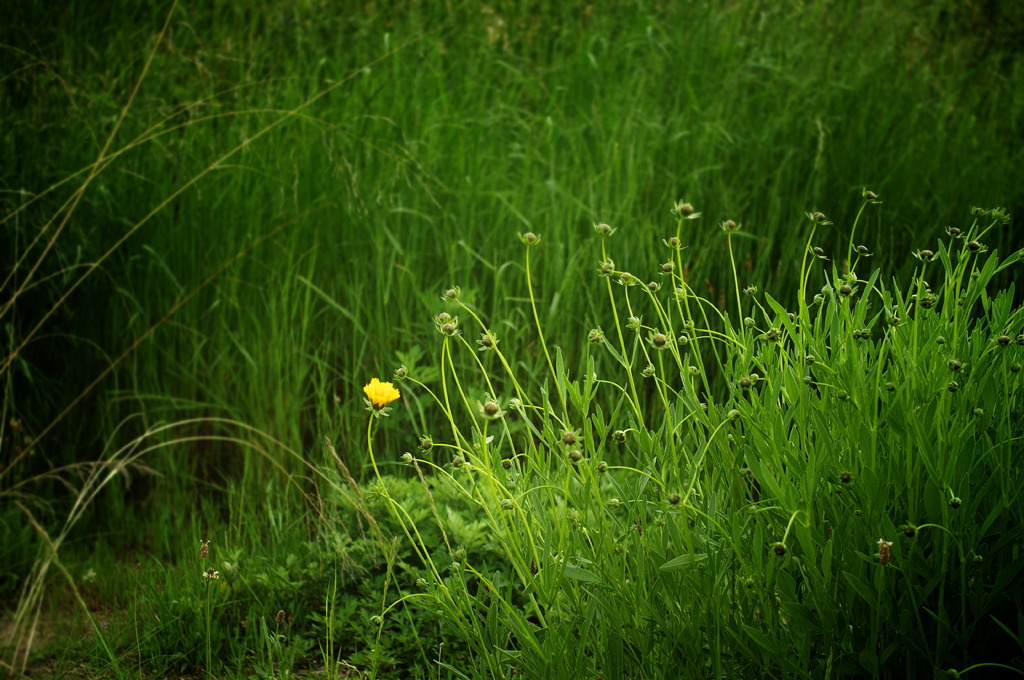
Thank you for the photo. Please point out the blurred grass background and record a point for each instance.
(429, 135)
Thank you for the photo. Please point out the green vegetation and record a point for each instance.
(783, 448)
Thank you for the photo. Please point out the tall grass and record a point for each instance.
(244, 229)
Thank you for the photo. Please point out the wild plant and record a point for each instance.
(805, 493)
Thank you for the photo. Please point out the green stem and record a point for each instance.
(540, 331)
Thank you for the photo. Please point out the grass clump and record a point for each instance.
(820, 492)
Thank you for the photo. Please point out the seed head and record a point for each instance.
(952, 386)
(845, 478)
(575, 456)
(809, 359)
(607, 267)
(659, 340)
(667, 267)
(619, 436)
(595, 336)
(926, 255)
(862, 250)
(602, 466)
(909, 530)
(870, 195)
(845, 290)
(780, 549)
(426, 443)
(820, 252)
(953, 364)
(745, 384)
(674, 499)
(491, 408)
(883, 551)
(955, 502)
(280, 617)
(204, 547)
(1003, 340)
(973, 246)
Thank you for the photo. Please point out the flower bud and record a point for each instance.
(575, 455)
(659, 340)
(448, 328)
(529, 238)
(426, 443)
(745, 384)
(619, 436)
(490, 408)
(953, 364)
(674, 499)
(973, 246)
(603, 229)
(845, 290)
(685, 209)
(779, 549)
(506, 463)
(1003, 340)
(667, 267)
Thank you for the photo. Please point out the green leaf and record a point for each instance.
(683, 562)
(581, 574)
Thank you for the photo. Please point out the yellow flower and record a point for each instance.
(381, 394)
